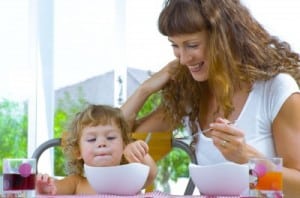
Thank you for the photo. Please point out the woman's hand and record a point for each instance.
(160, 78)
(136, 151)
(45, 184)
(231, 141)
(156, 82)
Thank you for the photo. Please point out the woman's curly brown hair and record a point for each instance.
(240, 50)
(93, 115)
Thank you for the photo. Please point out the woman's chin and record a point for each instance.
(200, 77)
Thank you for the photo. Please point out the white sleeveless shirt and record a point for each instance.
(255, 120)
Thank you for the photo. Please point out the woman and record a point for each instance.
(228, 69)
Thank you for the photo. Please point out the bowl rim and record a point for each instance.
(217, 164)
(117, 166)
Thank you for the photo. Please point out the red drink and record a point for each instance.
(14, 182)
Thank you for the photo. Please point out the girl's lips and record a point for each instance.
(101, 154)
(102, 157)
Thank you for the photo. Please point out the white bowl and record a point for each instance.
(223, 179)
(127, 179)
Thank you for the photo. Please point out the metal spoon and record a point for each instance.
(194, 135)
(203, 131)
(148, 137)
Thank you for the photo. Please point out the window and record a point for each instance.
(17, 78)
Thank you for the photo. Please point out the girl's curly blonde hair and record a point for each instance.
(93, 115)
(240, 50)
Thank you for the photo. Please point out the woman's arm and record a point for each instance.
(133, 105)
(154, 122)
(286, 132)
(136, 101)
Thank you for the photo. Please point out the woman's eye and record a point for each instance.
(192, 46)
(174, 46)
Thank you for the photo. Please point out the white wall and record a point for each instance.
(279, 17)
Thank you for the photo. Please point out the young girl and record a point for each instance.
(97, 137)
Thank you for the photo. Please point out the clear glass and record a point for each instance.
(19, 177)
(265, 177)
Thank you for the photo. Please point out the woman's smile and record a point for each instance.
(196, 68)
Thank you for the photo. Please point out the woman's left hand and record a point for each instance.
(229, 140)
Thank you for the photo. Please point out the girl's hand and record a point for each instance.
(45, 184)
(136, 151)
(230, 141)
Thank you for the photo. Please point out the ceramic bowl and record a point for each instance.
(223, 179)
(127, 179)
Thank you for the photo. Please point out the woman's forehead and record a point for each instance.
(188, 37)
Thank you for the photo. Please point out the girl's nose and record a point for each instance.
(101, 143)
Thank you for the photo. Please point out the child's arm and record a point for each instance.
(50, 186)
(138, 152)
(45, 184)
(153, 169)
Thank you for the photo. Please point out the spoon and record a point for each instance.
(203, 131)
(194, 135)
(148, 137)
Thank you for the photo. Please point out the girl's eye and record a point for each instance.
(91, 139)
(111, 138)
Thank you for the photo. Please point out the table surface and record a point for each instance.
(145, 195)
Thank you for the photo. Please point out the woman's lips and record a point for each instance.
(196, 68)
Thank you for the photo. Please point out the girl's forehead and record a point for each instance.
(108, 128)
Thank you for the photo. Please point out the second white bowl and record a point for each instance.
(223, 179)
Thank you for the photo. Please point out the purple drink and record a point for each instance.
(15, 182)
